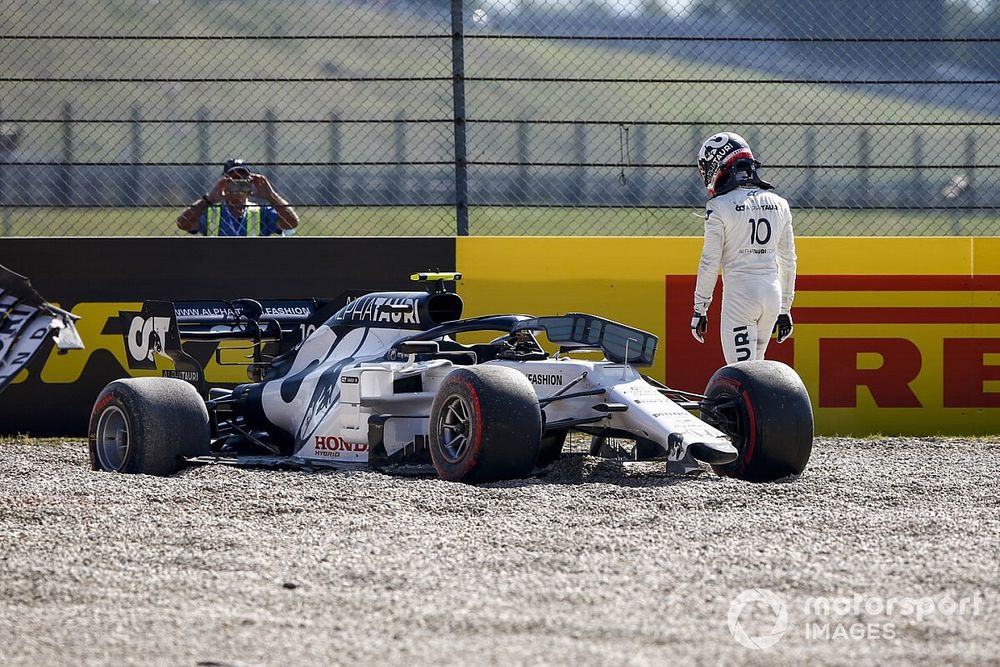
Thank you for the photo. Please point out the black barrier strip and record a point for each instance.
(326, 268)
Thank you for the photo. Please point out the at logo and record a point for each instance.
(144, 337)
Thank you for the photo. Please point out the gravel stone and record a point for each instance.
(595, 562)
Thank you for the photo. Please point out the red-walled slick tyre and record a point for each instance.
(764, 407)
(486, 425)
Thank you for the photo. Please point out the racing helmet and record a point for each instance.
(718, 156)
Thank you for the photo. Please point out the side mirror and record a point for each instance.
(418, 347)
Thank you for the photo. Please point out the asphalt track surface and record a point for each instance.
(884, 551)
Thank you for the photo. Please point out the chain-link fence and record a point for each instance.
(430, 117)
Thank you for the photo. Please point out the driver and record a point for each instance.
(225, 210)
(748, 233)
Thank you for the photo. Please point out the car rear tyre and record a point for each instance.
(146, 425)
(764, 407)
(486, 425)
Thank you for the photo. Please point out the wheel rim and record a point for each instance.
(453, 428)
(112, 438)
(732, 421)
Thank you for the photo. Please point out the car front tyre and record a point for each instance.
(764, 407)
(486, 425)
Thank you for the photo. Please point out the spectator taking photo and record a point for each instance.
(226, 210)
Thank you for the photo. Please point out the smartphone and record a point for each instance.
(239, 186)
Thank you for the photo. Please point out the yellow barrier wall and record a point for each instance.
(892, 335)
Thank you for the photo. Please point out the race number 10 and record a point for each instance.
(755, 231)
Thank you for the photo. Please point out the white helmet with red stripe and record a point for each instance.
(718, 155)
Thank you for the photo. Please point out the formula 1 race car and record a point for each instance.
(384, 380)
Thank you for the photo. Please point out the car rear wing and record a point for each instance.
(273, 319)
(620, 344)
(270, 327)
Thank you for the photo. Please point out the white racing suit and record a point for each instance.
(748, 233)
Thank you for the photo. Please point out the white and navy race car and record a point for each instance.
(385, 380)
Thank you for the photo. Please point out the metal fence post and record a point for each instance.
(202, 175)
(334, 187)
(970, 168)
(271, 144)
(458, 103)
(398, 185)
(964, 188)
(9, 137)
(578, 181)
(64, 182)
(807, 197)
(918, 189)
(132, 184)
(695, 193)
(637, 192)
(865, 160)
(519, 188)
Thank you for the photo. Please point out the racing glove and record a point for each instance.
(699, 326)
(783, 327)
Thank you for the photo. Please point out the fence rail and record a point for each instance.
(432, 118)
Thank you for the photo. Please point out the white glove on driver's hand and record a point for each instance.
(699, 326)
